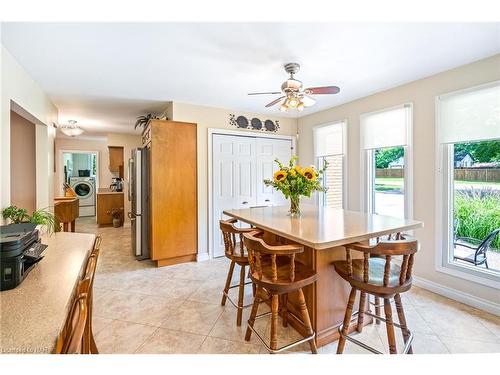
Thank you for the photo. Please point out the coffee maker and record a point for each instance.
(117, 184)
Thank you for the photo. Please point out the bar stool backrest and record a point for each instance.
(259, 251)
(233, 238)
(76, 321)
(404, 246)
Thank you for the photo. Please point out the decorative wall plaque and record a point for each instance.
(242, 122)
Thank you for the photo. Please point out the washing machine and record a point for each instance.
(85, 189)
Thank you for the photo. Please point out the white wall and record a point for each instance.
(18, 87)
(422, 94)
(210, 117)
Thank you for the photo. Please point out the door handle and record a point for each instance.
(267, 200)
(245, 202)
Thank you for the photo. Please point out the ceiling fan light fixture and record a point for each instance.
(300, 107)
(292, 102)
(283, 107)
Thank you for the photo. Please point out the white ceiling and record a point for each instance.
(104, 75)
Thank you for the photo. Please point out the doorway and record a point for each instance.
(239, 164)
(80, 171)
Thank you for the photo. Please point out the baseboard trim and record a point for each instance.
(468, 299)
(201, 257)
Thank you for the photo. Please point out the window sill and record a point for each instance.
(467, 273)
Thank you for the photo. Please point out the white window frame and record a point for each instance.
(320, 200)
(367, 167)
(444, 212)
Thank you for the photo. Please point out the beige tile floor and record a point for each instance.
(143, 309)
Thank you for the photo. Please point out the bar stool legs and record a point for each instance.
(361, 315)
(274, 322)
(307, 321)
(228, 283)
(347, 319)
(389, 326)
(402, 321)
(241, 295)
(253, 313)
(388, 319)
(273, 347)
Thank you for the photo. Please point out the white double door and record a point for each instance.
(240, 164)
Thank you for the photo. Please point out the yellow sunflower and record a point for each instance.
(279, 176)
(309, 173)
(292, 172)
(298, 169)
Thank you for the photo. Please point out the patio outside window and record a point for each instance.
(469, 145)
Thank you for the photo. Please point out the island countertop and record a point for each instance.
(322, 227)
(32, 314)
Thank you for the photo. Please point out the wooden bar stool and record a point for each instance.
(376, 274)
(90, 269)
(71, 340)
(276, 273)
(235, 251)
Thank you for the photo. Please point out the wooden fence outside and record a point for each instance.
(462, 174)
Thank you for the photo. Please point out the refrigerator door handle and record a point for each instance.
(129, 178)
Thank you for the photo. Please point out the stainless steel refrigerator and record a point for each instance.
(138, 195)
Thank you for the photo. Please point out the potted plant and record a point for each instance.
(40, 217)
(294, 181)
(116, 214)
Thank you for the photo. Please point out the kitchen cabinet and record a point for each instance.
(173, 191)
(116, 159)
(106, 201)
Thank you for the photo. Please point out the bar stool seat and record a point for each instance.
(375, 273)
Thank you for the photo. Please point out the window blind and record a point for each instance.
(386, 128)
(329, 139)
(470, 115)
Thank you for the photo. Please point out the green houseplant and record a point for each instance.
(294, 182)
(40, 217)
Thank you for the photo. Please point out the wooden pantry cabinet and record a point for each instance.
(173, 191)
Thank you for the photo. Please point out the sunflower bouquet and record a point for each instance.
(294, 181)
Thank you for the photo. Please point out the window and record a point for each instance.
(468, 137)
(329, 146)
(386, 161)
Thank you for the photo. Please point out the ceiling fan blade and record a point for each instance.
(308, 101)
(265, 93)
(275, 101)
(322, 90)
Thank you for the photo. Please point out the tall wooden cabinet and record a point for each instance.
(173, 191)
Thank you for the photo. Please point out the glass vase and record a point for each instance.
(294, 206)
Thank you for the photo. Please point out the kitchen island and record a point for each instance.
(33, 314)
(323, 232)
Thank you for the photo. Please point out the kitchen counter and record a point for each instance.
(32, 315)
(323, 232)
(108, 191)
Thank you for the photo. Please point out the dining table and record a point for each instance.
(324, 232)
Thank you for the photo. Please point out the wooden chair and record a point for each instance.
(376, 274)
(83, 294)
(71, 340)
(276, 273)
(235, 251)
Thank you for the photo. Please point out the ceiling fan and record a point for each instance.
(293, 93)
